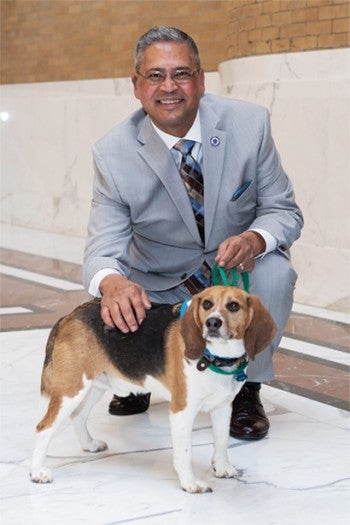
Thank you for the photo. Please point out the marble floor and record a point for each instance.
(298, 475)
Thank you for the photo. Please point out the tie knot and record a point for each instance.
(184, 146)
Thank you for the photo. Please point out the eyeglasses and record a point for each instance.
(155, 77)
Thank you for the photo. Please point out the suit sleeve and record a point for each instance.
(277, 211)
(109, 227)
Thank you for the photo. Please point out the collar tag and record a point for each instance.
(203, 364)
(241, 376)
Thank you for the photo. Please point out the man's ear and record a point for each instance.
(191, 331)
(135, 83)
(261, 329)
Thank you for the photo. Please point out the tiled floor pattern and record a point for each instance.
(295, 476)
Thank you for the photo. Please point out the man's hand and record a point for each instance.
(239, 251)
(123, 303)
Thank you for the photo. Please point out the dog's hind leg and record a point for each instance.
(79, 418)
(59, 409)
(220, 418)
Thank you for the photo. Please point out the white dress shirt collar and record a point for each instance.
(194, 133)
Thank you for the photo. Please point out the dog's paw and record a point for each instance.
(96, 445)
(44, 475)
(224, 470)
(196, 487)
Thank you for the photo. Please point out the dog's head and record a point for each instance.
(225, 313)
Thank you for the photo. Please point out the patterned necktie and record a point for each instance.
(191, 174)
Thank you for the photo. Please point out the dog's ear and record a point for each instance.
(261, 329)
(191, 331)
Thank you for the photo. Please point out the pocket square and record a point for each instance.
(240, 191)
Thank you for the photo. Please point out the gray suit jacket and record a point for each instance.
(141, 221)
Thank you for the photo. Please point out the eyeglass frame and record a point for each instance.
(164, 74)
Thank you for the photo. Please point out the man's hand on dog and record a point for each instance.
(123, 303)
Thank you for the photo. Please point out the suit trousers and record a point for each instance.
(273, 281)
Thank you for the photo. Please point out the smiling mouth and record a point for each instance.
(170, 102)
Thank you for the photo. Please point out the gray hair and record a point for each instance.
(165, 34)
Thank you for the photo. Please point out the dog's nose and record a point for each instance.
(213, 324)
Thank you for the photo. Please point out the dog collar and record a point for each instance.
(216, 363)
(184, 307)
(216, 360)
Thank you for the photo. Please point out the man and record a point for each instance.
(152, 240)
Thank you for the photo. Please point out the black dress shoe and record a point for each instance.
(127, 406)
(248, 420)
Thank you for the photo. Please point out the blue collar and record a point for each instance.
(216, 364)
(184, 307)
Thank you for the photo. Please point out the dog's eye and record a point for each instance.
(233, 306)
(207, 305)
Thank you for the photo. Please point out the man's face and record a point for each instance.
(171, 106)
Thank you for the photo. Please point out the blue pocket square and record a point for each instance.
(240, 191)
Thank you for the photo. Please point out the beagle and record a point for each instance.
(197, 357)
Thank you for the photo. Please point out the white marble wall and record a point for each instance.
(308, 97)
(47, 138)
(46, 164)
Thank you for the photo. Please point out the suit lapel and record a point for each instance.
(213, 147)
(158, 157)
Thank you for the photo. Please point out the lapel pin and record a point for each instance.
(214, 141)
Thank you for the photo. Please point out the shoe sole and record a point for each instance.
(129, 413)
(248, 437)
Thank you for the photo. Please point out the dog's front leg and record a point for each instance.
(220, 418)
(181, 430)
